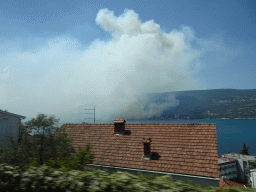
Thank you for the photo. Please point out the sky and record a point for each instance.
(61, 57)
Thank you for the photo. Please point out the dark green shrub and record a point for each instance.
(82, 157)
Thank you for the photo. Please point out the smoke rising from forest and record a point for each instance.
(61, 77)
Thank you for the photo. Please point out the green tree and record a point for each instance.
(244, 150)
(14, 151)
(82, 157)
(41, 146)
(252, 165)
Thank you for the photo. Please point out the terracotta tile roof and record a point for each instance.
(228, 184)
(177, 148)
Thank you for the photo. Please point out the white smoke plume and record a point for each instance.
(61, 77)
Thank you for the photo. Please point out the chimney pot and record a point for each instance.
(119, 121)
(119, 125)
(147, 147)
(146, 140)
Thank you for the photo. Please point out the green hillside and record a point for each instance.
(210, 104)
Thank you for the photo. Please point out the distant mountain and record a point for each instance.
(197, 104)
(210, 104)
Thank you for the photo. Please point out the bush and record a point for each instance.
(82, 157)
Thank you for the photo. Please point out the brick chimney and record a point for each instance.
(119, 125)
(147, 148)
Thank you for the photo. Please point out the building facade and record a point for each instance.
(8, 124)
(227, 168)
(243, 173)
(242, 165)
(253, 178)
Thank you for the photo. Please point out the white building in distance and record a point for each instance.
(8, 123)
(242, 164)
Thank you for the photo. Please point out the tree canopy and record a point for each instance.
(48, 142)
(244, 150)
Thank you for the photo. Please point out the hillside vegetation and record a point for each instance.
(209, 104)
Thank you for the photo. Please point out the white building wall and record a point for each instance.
(253, 178)
(8, 123)
(242, 166)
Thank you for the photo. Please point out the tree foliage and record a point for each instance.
(82, 157)
(42, 146)
(16, 152)
(244, 150)
(252, 165)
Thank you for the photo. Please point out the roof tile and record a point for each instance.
(228, 184)
(182, 148)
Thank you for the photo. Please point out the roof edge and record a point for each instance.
(144, 124)
(167, 173)
(15, 115)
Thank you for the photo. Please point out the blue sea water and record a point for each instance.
(231, 133)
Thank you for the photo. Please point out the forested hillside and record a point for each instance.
(210, 104)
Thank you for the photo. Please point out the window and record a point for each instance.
(245, 164)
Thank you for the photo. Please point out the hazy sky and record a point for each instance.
(57, 55)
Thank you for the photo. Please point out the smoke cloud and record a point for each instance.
(62, 77)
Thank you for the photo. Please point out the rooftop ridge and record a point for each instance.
(144, 124)
(13, 114)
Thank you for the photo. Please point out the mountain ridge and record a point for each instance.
(194, 104)
(211, 104)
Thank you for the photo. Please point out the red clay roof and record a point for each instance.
(177, 148)
(228, 184)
